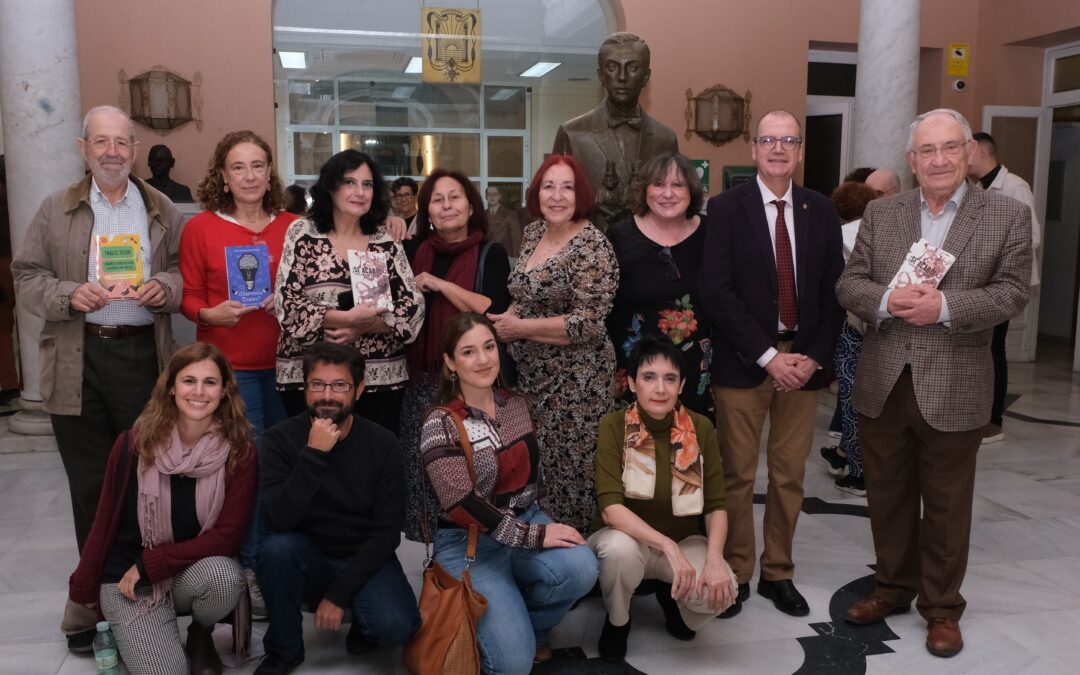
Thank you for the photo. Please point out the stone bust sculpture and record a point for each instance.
(616, 137)
(161, 161)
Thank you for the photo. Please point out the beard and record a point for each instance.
(335, 411)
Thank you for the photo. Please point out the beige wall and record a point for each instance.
(551, 106)
(229, 42)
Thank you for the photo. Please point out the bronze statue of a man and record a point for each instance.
(616, 137)
(160, 160)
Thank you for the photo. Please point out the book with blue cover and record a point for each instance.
(248, 268)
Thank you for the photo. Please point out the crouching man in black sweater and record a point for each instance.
(333, 496)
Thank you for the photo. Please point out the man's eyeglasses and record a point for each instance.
(401, 196)
(788, 142)
(669, 260)
(338, 386)
(101, 143)
(949, 150)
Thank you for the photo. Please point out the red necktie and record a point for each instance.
(785, 271)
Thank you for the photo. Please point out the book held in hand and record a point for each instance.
(119, 265)
(248, 268)
(370, 278)
(923, 264)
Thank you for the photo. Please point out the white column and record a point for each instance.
(39, 93)
(886, 83)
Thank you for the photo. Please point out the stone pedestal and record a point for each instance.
(886, 84)
(39, 94)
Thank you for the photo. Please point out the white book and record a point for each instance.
(923, 264)
(370, 278)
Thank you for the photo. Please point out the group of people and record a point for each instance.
(595, 409)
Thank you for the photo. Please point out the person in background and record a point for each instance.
(178, 492)
(659, 251)
(242, 197)
(845, 460)
(334, 500)
(504, 223)
(530, 569)
(296, 199)
(403, 191)
(562, 289)
(458, 271)
(885, 182)
(659, 478)
(314, 298)
(989, 174)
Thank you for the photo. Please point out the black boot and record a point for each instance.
(673, 620)
(202, 655)
(612, 643)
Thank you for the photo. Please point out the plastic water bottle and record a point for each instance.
(105, 654)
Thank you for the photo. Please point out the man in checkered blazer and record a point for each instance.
(924, 383)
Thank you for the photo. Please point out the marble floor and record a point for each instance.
(1022, 586)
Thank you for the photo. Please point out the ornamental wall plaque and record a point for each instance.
(718, 115)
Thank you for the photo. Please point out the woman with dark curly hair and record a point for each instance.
(313, 293)
(178, 492)
(659, 251)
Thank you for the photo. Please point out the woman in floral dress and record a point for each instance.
(313, 293)
(562, 288)
(659, 252)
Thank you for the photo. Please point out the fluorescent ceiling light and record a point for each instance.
(403, 92)
(503, 94)
(371, 141)
(540, 68)
(415, 66)
(292, 59)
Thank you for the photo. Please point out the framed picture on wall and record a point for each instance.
(734, 175)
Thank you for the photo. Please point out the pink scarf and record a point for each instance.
(206, 463)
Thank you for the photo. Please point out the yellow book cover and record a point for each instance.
(119, 265)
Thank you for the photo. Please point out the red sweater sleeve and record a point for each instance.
(193, 268)
(224, 538)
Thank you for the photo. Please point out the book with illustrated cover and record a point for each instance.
(370, 278)
(923, 264)
(248, 268)
(119, 265)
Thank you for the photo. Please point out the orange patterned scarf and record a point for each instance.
(639, 462)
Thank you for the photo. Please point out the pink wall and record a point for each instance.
(228, 42)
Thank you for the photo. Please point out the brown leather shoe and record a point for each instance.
(943, 637)
(543, 654)
(872, 609)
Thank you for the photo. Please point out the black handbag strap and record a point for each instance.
(478, 286)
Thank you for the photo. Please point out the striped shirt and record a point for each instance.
(128, 216)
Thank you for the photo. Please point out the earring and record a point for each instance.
(226, 188)
(453, 376)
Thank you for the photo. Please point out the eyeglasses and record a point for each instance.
(788, 142)
(949, 150)
(338, 386)
(669, 260)
(101, 143)
(404, 195)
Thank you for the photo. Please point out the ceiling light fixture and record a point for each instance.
(292, 60)
(416, 66)
(540, 68)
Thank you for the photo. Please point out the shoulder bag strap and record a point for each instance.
(466, 447)
(478, 286)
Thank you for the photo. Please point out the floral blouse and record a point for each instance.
(310, 278)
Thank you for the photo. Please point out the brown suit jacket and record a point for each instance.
(989, 283)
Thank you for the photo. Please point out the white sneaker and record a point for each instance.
(258, 605)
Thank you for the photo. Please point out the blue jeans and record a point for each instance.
(258, 388)
(292, 569)
(528, 591)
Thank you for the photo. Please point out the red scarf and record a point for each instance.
(425, 355)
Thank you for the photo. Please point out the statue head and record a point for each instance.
(160, 161)
(623, 68)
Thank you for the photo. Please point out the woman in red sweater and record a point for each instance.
(175, 504)
(244, 201)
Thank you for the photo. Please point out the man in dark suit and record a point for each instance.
(773, 252)
(616, 137)
(922, 388)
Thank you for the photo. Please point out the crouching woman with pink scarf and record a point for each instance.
(174, 506)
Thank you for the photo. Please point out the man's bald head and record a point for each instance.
(885, 182)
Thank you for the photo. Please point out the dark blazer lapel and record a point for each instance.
(609, 146)
(964, 224)
(802, 237)
(759, 227)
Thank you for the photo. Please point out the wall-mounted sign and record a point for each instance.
(702, 168)
(451, 45)
(958, 58)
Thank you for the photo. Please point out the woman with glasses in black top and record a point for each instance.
(659, 250)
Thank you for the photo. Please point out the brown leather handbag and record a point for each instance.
(450, 609)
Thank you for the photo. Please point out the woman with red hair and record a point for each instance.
(562, 289)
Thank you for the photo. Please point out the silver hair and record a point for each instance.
(104, 108)
(939, 111)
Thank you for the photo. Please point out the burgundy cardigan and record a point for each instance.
(166, 560)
